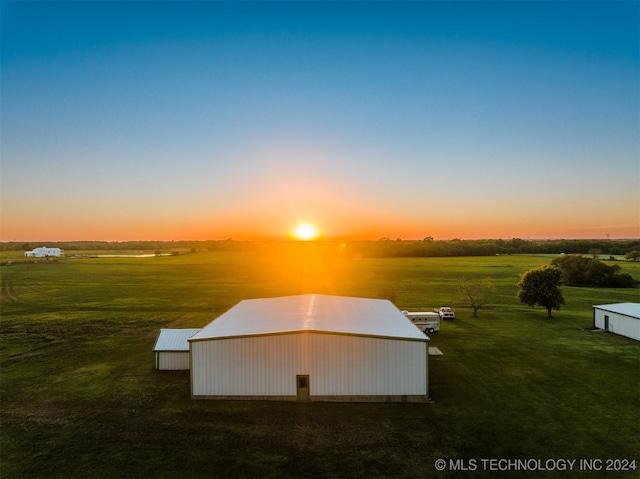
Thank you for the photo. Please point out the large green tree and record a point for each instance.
(542, 286)
(578, 270)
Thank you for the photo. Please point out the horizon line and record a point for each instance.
(322, 240)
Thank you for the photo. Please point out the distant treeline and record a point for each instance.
(380, 248)
(490, 247)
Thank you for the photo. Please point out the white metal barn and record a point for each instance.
(618, 318)
(311, 348)
(171, 350)
(43, 252)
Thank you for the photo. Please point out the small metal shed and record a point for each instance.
(171, 349)
(618, 318)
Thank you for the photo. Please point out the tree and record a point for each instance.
(633, 256)
(542, 286)
(580, 271)
(476, 295)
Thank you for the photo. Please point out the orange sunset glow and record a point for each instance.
(352, 222)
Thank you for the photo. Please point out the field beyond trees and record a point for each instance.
(81, 398)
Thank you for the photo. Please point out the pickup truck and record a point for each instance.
(445, 312)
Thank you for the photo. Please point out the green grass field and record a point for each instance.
(80, 397)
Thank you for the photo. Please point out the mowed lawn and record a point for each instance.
(80, 397)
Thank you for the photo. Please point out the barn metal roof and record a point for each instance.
(627, 309)
(174, 339)
(312, 312)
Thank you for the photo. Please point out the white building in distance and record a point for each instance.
(311, 348)
(44, 252)
(618, 318)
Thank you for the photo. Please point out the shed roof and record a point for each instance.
(626, 309)
(174, 339)
(312, 313)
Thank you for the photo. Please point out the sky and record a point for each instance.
(210, 120)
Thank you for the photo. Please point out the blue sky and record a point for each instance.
(208, 120)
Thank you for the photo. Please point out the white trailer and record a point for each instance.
(425, 321)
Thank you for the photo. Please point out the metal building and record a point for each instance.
(311, 348)
(618, 318)
(171, 349)
(43, 252)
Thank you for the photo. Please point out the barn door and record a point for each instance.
(606, 323)
(302, 388)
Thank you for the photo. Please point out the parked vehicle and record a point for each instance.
(424, 321)
(445, 312)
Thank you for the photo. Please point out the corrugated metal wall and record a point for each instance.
(250, 366)
(337, 365)
(351, 365)
(618, 324)
(175, 361)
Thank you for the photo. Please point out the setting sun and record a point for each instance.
(305, 232)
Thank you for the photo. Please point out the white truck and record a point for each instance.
(445, 312)
(424, 321)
